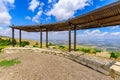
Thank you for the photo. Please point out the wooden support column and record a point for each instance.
(20, 37)
(69, 37)
(47, 37)
(40, 37)
(74, 37)
(13, 37)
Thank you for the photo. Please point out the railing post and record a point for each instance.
(74, 37)
(47, 37)
(20, 37)
(13, 35)
(40, 37)
(69, 35)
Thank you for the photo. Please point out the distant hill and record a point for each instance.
(4, 36)
(106, 44)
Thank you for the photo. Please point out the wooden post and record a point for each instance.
(40, 37)
(69, 37)
(46, 37)
(74, 37)
(20, 37)
(13, 36)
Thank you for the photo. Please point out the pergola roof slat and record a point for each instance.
(102, 17)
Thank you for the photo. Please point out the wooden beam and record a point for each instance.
(94, 20)
(69, 36)
(20, 37)
(101, 20)
(13, 36)
(40, 37)
(47, 37)
(74, 37)
(111, 23)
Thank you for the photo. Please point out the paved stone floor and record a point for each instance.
(36, 66)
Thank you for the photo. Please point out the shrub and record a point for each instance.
(79, 49)
(1, 49)
(6, 42)
(36, 44)
(115, 55)
(62, 47)
(93, 51)
(112, 55)
(24, 43)
(50, 44)
(86, 50)
(89, 50)
(98, 50)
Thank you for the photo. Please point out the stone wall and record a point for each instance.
(103, 65)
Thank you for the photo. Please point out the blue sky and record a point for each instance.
(27, 12)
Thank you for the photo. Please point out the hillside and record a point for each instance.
(31, 41)
(87, 49)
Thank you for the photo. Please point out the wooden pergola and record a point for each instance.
(103, 17)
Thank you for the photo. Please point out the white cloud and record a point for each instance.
(98, 7)
(116, 33)
(36, 18)
(9, 1)
(114, 27)
(48, 19)
(5, 17)
(49, 1)
(65, 9)
(99, 35)
(41, 6)
(28, 17)
(95, 33)
(52, 1)
(33, 5)
(5, 32)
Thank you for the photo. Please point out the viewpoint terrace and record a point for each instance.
(103, 17)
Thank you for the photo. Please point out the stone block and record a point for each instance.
(103, 71)
(115, 69)
(92, 66)
(117, 63)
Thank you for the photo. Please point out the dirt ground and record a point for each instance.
(36, 66)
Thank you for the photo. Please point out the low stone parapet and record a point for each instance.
(103, 65)
(99, 64)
